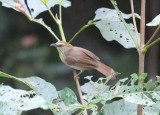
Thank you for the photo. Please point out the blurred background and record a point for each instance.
(25, 50)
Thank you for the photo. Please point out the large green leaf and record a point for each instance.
(129, 91)
(62, 102)
(92, 88)
(112, 28)
(22, 100)
(68, 96)
(67, 101)
(41, 87)
(125, 108)
(5, 109)
(155, 21)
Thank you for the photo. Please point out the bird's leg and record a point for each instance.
(77, 75)
(76, 78)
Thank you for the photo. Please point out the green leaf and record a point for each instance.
(21, 99)
(134, 78)
(148, 85)
(125, 108)
(121, 107)
(129, 91)
(18, 5)
(35, 6)
(151, 110)
(143, 76)
(123, 80)
(44, 1)
(157, 88)
(137, 99)
(67, 101)
(41, 87)
(9, 4)
(92, 88)
(59, 1)
(112, 28)
(2, 74)
(158, 78)
(5, 109)
(155, 21)
(68, 96)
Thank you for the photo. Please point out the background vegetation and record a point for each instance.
(25, 51)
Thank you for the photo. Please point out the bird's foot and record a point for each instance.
(76, 77)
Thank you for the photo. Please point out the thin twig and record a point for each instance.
(79, 90)
(48, 28)
(134, 20)
(58, 21)
(153, 35)
(60, 11)
(150, 45)
(83, 28)
(142, 25)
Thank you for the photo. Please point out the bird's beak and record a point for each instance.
(54, 44)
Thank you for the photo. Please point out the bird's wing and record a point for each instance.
(89, 54)
(82, 61)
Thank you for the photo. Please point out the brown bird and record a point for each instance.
(82, 59)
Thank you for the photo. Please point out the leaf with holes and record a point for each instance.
(22, 100)
(68, 96)
(92, 88)
(112, 28)
(155, 21)
(41, 87)
(129, 91)
(5, 109)
(67, 100)
(125, 108)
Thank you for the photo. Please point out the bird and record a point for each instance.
(82, 59)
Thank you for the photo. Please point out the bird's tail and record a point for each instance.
(106, 70)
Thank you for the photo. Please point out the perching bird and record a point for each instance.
(82, 59)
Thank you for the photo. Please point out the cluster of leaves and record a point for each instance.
(128, 90)
(110, 22)
(44, 95)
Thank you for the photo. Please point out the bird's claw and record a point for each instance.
(76, 77)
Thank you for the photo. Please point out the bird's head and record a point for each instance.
(62, 46)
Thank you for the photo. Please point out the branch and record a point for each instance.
(44, 25)
(141, 55)
(58, 21)
(134, 20)
(83, 28)
(79, 89)
(150, 45)
(142, 26)
(151, 38)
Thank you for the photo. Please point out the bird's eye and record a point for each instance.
(60, 45)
